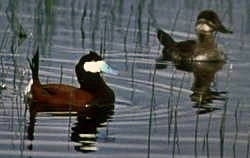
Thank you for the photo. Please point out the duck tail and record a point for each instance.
(34, 65)
(165, 39)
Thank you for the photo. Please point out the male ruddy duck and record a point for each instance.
(204, 48)
(93, 90)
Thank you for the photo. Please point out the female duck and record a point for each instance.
(204, 48)
(93, 90)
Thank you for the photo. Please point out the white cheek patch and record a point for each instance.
(200, 58)
(98, 66)
(93, 66)
(203, 27)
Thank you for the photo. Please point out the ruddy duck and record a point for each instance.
(93, 89)
(204, 48)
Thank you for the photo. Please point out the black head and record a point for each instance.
(92, 56)
(88, 71)
(209, 21)
(88, 79)
(88, 75)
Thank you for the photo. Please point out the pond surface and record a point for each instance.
(155, 113)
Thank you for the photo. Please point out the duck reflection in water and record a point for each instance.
(83, 132)
(93, 101)
(200, 56)
(202, 95)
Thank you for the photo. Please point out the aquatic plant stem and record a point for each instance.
(151, 111)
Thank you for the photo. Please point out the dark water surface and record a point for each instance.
(155, 113)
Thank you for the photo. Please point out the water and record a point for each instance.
(154, 115)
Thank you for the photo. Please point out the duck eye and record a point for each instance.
(211, 24)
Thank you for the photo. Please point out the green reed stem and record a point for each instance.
(151, 111)
(170, 107)
(222, 129)
(248, 146)
(205, 141)
(84, 14)
(175, 20)
(126, 37)
(236, 116)
(61, 73)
